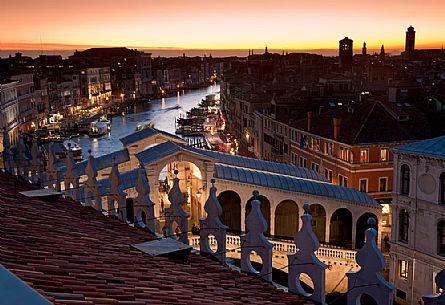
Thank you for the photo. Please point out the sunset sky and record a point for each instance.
(227, 24)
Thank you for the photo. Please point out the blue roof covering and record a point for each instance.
(292, 184)
(432, 147)
(146, 133)
(164, 149)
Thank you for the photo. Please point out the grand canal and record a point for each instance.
(162, 112)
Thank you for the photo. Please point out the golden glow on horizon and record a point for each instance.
(228, 24)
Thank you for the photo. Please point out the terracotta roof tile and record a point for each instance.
(74, 255)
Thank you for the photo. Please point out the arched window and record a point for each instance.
(403, 225)
(404, 189)
(442, 188)
(441, 237)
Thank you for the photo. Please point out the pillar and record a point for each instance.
(272, 218)
(354, 230)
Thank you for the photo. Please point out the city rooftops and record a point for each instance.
(72, 254)
(432, 147)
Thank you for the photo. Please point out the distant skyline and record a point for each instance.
(228, 24)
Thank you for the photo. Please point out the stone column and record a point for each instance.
(354, 230)
(272, 218)
(243, 216)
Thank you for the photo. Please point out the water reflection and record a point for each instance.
(163, 112)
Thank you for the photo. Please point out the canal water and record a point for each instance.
(163, 112)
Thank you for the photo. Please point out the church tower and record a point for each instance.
(410, 42)
(364, 49)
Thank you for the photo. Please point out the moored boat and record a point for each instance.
(99, 128)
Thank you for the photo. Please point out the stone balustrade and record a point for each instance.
(325, 251)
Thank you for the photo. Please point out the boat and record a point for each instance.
(99, 128)
(85, 125)
(75, 148)
(145, 124)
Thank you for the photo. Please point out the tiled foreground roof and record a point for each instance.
(75, 255)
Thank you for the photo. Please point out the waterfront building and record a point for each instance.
(418, 230)
(130, 69)
(9, 110)
(345, 51)
(27, 108)
(95, 86)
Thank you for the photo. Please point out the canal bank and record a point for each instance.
(162, 112)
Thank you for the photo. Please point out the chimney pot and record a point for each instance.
(337, 127)
(310, 118)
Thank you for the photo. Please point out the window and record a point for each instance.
(342, 180)
(383, 184)
(328, 174)
(442, 188)
(363, 184)
(344, 153)
(303, 162)
(403, 269)
(403, 225)
(441, 237)
(404, 189)
(364, 155)
(315, 167)
(383, 154)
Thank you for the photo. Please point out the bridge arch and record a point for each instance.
(286, 219)
(318, 214)
(265, 210)
(340, 228)
(230, 202)
(361, 226)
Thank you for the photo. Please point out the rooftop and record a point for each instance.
(74, 255)
(432, 147)
(146, 133)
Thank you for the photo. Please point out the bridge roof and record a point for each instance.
(432, 147)
(293, 184)
(165, 149)
(146, 133)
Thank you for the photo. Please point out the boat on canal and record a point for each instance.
(99, 129)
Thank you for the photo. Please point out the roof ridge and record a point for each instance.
(365, 121)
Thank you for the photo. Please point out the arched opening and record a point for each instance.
(403, 226)
(286, 219)
(129, 206)
(341, 228)
(405, 178)
(318, 214)
(361, 227)
(190, 184)
(441, 237)
(231, 210)
(265, 210)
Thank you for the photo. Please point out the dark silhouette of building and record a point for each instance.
(364, 49)
(382, 52)
(345, 53)
(410, 42)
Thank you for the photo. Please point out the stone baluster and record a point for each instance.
(255, 240)
(8, 157)
(90, 186)
(305, 261)
(52, 171)
(116, 194)
(175, 213)
(438, 299)
(212, 225)
(71, 177)
(143, 203)
(368, 279)
(22, 159)
(36, 163)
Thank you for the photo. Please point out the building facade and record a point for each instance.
(9, 110)
(418, 231)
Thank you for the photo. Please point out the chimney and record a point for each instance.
(310, 118)
(337, 127)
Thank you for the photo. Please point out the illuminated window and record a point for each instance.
(364, 155)
(384, 154)
(344, 153)
(363, 184)
(383, 184)
(441, 237)
(403, 269)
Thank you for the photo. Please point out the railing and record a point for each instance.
(324, 251)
